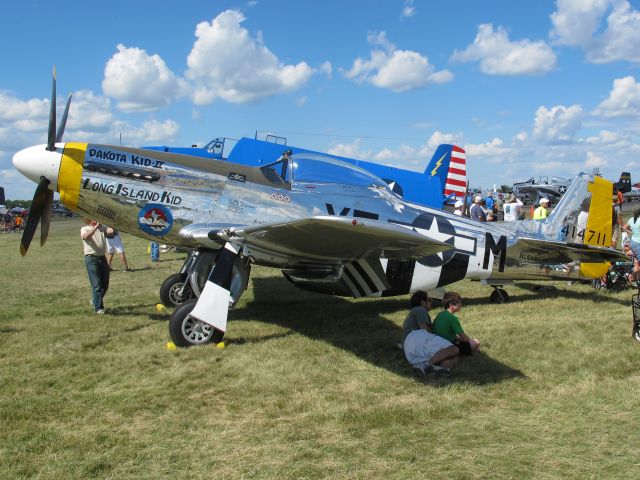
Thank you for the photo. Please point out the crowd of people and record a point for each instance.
(13, 222)
(496, 208)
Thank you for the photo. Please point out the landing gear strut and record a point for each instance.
(499, 295)
(218, 279)
(189, 282)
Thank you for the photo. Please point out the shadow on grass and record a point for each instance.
(137, 309)
(595, 296)
(356, 327)
(107, 337)
(540, 290)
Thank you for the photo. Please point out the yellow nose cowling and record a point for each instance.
(70, 174)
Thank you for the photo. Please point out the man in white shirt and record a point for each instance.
(95, 247)
(511, 208)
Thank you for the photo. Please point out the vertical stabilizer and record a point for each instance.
(448, 164)
(599, 226)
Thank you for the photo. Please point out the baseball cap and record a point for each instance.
(459, 204)
(544, 200)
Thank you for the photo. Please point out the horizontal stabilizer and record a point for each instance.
(336, 239)
(552, 252)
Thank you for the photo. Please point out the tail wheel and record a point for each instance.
(186, 331)
(499, 296)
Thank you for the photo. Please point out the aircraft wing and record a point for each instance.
(552, 252)
(330, 238)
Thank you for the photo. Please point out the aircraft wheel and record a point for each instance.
(186, 331)
(170, 291)
(499, 296)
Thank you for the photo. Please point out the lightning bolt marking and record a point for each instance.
(438, 164)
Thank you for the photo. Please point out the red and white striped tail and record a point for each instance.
(456, 183)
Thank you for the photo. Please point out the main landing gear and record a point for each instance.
(189, 282)
(499, 295)
(187, 331)
(209, 284)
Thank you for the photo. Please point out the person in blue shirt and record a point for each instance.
(489, 202)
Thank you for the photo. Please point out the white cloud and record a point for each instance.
(623, 100)
(326, 68)
(226, 62)
(89, 111)
(575, 21)
(151, 131)
(14, 110)
(521, 136)
(397, 70)
(495, 149)
(404, 156)
(351, 150)
(581, 23)
(500, 56)
(605, 137)
(139, 81)
(439, 137)
(594, 160)
(557, 125)
(408, 10)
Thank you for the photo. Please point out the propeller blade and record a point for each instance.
(45, 221)
(37, 207)
(63, 122)
(51, 139)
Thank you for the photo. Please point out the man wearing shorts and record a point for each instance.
(424, 350)
(114, 244)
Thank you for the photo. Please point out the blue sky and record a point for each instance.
(527, 88)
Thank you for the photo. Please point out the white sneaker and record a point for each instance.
(100, 311)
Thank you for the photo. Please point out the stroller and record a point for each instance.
(617, 278)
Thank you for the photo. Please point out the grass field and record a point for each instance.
(308, 386)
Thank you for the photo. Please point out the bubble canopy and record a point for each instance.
(314, 168)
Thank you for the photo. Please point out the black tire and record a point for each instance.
(186, 331)
(169, 291)
(499, 296)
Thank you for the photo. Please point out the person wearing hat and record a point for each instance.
(476, 211)
(458, 208)
(541, 212)
(512, 206)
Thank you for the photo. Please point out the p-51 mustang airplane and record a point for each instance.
(329, 226)
(441, 183)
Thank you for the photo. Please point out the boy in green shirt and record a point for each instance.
(447, 325)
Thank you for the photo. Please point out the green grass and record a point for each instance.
(308, 386)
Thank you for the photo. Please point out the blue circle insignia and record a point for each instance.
(155, 219)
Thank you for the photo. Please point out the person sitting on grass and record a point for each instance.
(447, 325)
(424, 350)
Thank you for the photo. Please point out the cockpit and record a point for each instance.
(318, 169)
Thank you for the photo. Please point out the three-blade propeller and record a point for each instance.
(42, 204)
